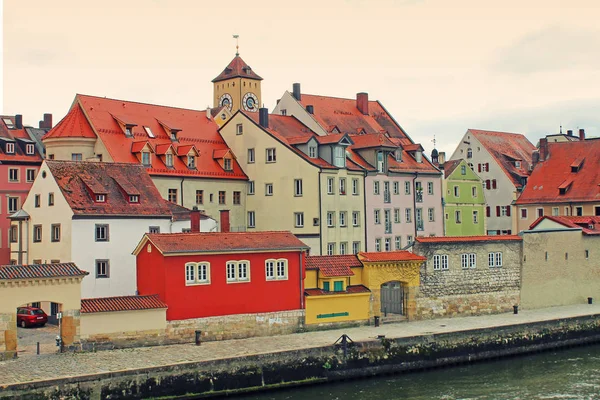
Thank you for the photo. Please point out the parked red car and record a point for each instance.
(30, 316)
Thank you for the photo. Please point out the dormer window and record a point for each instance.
(518, 164)
(380, 161)
(398, 155)
(146, 158)
(191, 162)
(312, 151)
(10, 148)
(129, 131)
(339, 157)
(30, 149)
(100, 198)
(149, 132)
(134, 198)
(227, 164)
(169, 160)
(174, 135)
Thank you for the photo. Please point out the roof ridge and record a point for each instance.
(140, 102)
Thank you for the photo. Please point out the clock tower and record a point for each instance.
(237, 87)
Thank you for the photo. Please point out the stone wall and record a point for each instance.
(8, 336)
(471, 291)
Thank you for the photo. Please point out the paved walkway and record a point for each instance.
(51, 366)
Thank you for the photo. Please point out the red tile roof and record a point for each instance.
(20, 138)
(79, 181)
(589, 225)
(449, 167)
(349, 260)
(372, 140)
(556, 172)
(237, 68)
(169, 243)
(349, 290)
(38, 271)
(121, 303)
(467, 239)
(74, 124)
(196, 129)
(401, 255)
(506, 148)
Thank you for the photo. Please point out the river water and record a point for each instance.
(563, 374)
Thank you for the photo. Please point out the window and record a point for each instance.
(102, 269)
(238, 271)
(388, 244)
(222, 197)
(10, 148)
(146, 158)
(338, 286)
(13, 205)
(408, 215)
(250, 187)
(76, 157)
(377, 216)
(326, 286)
(378, 244)
(397, 215)
(128, 131)
(540, 212)
(355, 247)
(191, 162)
(298, 219)
(148, 131)
(172, 195)
(100, 198)
(463, 169)
(457, 216)
(376, 187)
(13, 233)
(469, 153)
(330, 249)
(339, 157)
(227, 164)
(268, 189)
(474, 191)
(398, 242)
(472, 260)
(475, 216)
(495, 259)
(330, 219)
(523, 213)
(13, 175)
(456, 191)
(329, 185)
(197, 273)
(55, 232)
(239, 129)
(468, 260)
(355, 188)
(555, 211)
(431, 214)
(312, 151)
(190, 274)
(199, 196)
(37, 201)
(342, 185)
(355, 218)
(578, 211)
(271, 155)
(134, 198)
(101, 233)
(276, 269)
(250, 156)
(251, 219)
(343, 218)
(154, 229)
(37, 233)
(343, 248)
(30, 175)
(50, 199)
(429, 187)
(237, 198)
(587, 253)
(169, 160)
(440, 262)
(297, 187)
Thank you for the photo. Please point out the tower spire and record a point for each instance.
(237, 45)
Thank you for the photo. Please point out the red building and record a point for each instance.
(21, 154)
(213, 274)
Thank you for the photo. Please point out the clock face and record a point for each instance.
(225, 101)
(250, 102)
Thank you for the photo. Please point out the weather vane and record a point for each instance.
(433, 141)
(237, 44)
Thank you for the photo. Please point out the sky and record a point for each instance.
(439, 67)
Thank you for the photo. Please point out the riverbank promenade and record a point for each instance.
(31, 368)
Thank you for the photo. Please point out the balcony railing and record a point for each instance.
(386, 196)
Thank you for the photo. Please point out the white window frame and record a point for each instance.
(251, 154)
(396, 187)
(299, 219)
(342, 186)
(271, 155)
(298, 192)
(376, 188)
(398, 242)
(330, 249)
(377, 216)
(431, 214)
(13, 175)
(169, 160)
(430, 188)
(397, 217)
(251, 187)
(355, 218)
(106, 272)
(330, 185)
(387, 244)
(342, 218)
(237, 271)
(339, 157)
(464, 261)
(472, 260)
(355, 247)
(330, 219)
(378, 244)
(406, 187)
(408, 215)
(29, 149)
(312, 151)
(10, 148)
(355, 187)
(251, 219)
(268, 189)
(276, 269)
(498, 259)
(197, 273)
(28, 172)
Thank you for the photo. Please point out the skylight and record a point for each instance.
(149, 131)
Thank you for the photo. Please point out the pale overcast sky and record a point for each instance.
(440, 67)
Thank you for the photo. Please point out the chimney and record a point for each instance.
(569, 132)
(48, 121)
(310, 109)
(535, 158)
(224, 220)
(208, 114)
(263, 117)
(581, 134)
(543, 149)
(442, 157)
(362, 102)
(296, 91)
(19, 121)
(195, 220)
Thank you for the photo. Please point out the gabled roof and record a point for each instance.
(36, 271)
(196, 129)
(468, 239)
(332, 266)
(372, 140)
(76, 179)
(400, 255)
(121, 303)
(73, 125)
(174, 243)
(20, 137)
(449, 167)
(237, 68)
(554, 180)
(588, 225)
(506, 148)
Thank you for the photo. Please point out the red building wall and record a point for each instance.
(219, 297)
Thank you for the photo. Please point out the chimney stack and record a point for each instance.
(362, 102)
(195, 220)
(310, 109)
(441, 157)
(46, 123)
(296, 91)
(569, 132)
(19, 121)
(263, 117)
(225, 221)
(208, 114)
(543, 149)
(582, 134)
(535, 158)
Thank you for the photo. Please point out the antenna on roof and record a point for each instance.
(561, 129)
(433, 141)
(237, 45)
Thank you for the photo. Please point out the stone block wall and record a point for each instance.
(8, 336)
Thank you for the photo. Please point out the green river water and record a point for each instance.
(563, 374)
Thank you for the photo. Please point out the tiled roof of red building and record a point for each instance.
(343, 113)
(589, 225)
(169, 243)
(74, 124)
(401, 255)
(506, 148)
(468, 239)
(349, 290)
(194, 128)
(20, 138)
(36, 271)
(237, 68)
(80, 181)
(121, 303)
(557, 175)
(349, 260)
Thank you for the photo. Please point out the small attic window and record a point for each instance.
(312, 151)
(169, 160)
(227, 164)
(129, 131)
(100, 198)
(134, 198)
(10, 148)
(149, 131)
(174, 135)
(30, 149)
(398, 155)
(518, 164)
(8, 122)
(146, 158)
(191, 162)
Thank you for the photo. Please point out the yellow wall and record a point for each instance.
(62, 149)
(357, 306)
(66, 292)
(124, 321)
(357, 278)
(310, 282)
(237, 88)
